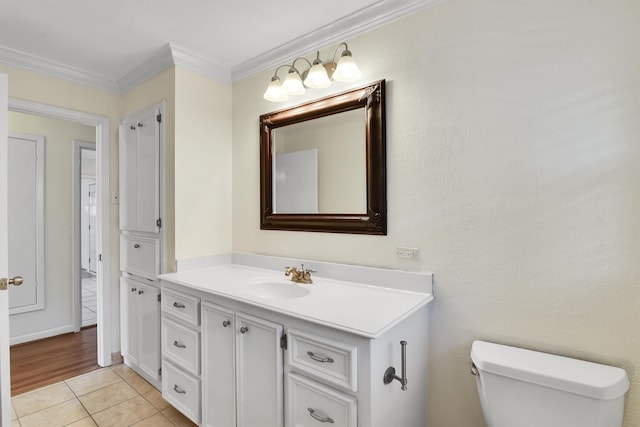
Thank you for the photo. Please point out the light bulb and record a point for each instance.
(317, 77)
(274, 91)
(346, 70)
(292, 84)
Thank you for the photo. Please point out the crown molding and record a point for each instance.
(357, 23)
(155, 64)
(47, 67)
(169, 56)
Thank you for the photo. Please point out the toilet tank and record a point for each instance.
(524, 388)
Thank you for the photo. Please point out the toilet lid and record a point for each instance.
(559, 372)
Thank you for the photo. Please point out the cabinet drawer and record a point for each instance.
(310, 404)
(183, 307)
(140, 255)
(326, 359)
(181, 345)
(182, 391)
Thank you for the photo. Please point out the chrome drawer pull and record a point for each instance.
(226, 323)
(178, 389)
(137, 245)
(244, 329)
(318, 358)
(318, 417)
(179, 344)
(178, 305)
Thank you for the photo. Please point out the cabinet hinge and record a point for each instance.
(159, 372)
(159, 222)
(159, 297)
(159, 118)
(283, 342)
(100, 257)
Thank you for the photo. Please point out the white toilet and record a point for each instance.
(524, 388)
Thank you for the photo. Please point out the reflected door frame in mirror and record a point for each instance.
(371, 99)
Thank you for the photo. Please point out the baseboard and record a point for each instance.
(40, 335)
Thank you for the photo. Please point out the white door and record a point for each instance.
(259, 372)
(92, 242)
(5, 372)
(296, 182)
(26, 235)
(149, 330)
(129, 330)
(140, 173)
(218, 366)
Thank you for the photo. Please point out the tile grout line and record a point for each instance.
(76, 397)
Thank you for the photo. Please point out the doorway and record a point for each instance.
(86, 204)
(100, 126)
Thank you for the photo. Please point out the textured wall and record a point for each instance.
(202, 165)
(513, 165)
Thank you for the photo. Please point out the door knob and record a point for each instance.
(15, 281)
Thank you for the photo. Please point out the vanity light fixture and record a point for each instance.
(317, 76)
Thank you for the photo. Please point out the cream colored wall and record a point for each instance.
(202, 166)
(59, 136)
(512, 143)
(155, 90)
(47, 90)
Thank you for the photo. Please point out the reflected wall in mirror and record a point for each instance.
(323, 164)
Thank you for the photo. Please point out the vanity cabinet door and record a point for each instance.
(149, 330)
(218, 366)
(141, 326)
(259, 372)
(129, 295)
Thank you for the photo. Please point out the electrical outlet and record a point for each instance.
(115, 197)
(407, 253)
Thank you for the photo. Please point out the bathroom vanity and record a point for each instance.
(244, 346)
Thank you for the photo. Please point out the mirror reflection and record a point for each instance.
(320, 165)
(323, 164)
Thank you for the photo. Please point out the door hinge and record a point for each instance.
(159, 118)
(159, 297)
(159, 223)
(283, 342)
(100, 257)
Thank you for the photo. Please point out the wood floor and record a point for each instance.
(43, 362)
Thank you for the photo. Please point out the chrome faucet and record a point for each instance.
(299, 276)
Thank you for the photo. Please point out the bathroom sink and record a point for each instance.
(276, 290)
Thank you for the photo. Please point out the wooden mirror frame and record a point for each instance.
(374, 221)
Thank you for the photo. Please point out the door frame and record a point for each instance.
(104, 299)
(76, 233)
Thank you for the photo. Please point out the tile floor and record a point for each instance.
(89, 298)
(114, 396)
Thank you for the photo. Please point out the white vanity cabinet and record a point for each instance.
(263, 367)
(141, 336)
(242, 369)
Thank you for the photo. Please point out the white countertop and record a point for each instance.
(356, 308)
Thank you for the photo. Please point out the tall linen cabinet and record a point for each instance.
(141, 240)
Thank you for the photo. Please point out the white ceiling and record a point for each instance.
(105, 41)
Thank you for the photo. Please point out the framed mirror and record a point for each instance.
(323, 164)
